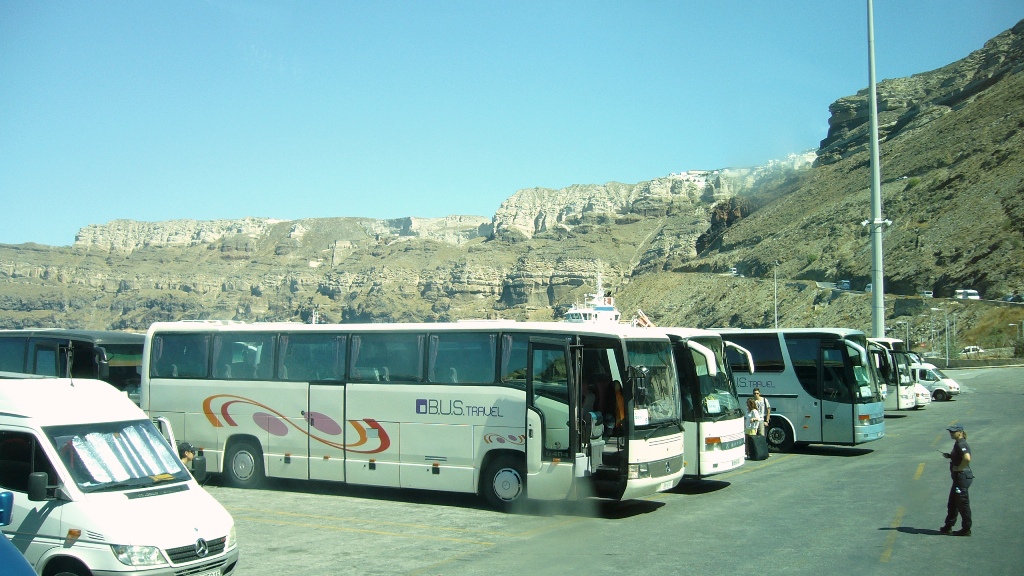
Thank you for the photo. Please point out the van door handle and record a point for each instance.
(829, 417)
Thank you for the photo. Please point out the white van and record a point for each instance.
(98, 490)
(940, 386)
(967, 295)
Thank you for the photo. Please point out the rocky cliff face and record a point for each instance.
(129, 235)
(906, 104)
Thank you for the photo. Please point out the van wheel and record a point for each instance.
(779, 435)
(941, 395)
(243, 465)
(503, 483)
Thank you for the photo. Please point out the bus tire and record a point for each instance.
(243, 465)
(941, 395)
(503, 483)
(779, 435)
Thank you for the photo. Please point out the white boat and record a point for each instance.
(597, 309)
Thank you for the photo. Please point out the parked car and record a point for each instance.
(940, 386)
(843, 284)
(926, 294)
(967, 295)
(976, 350)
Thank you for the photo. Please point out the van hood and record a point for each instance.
(166, 516)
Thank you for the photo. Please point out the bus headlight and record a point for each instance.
(637, 471)
(138, 555)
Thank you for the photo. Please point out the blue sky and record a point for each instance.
(209, 109)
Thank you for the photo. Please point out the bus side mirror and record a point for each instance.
(102, 363)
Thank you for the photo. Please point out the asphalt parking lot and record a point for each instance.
(869, 509)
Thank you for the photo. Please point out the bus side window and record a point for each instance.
(461, 358)
(513, 359)
(45, 361)
(309, 357)
(180, 355)
(12, 354)
(803, 353)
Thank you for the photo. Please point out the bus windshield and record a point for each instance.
(657, 403)
(116, 455)
(717, 393)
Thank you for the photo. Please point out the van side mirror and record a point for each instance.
(37, 486)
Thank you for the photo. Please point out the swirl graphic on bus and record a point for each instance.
(277, 424)
(517, 439)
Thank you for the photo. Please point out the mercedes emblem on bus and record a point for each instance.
(202, 548)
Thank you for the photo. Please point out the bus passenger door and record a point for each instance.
(325, 424)
(836, 395)
(549, 423)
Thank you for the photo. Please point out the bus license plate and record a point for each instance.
(214, 572)
(666, 485)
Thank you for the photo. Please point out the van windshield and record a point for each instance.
(116, 455)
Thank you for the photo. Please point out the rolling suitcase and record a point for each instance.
(757, 447)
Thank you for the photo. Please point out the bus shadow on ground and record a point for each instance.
(694, 487)
(895, 416)
(587, 507)
(840, 451)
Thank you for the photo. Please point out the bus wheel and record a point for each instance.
(941, 395)
(243, 465)
(779, 435)
(503, 483)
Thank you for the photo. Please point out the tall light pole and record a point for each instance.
(877, 274)
(776, 294)
(945, 315)
(907, 326)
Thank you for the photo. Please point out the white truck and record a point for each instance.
(98, 490)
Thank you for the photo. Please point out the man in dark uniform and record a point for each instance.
(960, 471)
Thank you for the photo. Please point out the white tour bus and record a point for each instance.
(500, 408)
(893, 365)
(712, 414)
(819, 382)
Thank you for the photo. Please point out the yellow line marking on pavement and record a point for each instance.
(890, 541)
(920, 470)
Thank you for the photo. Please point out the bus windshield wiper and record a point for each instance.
(659, 427)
